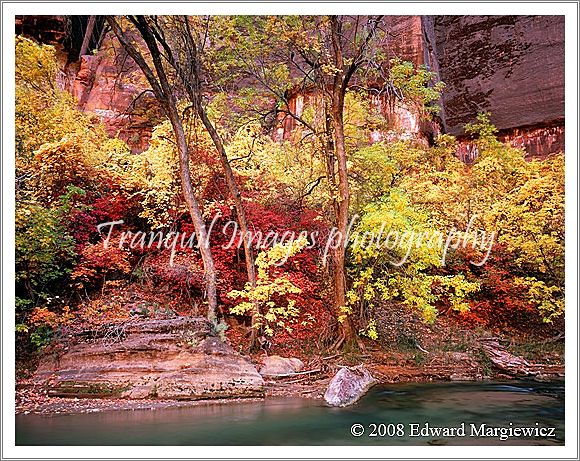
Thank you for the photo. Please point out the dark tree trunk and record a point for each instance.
(192, 82)
(88, 34)
(240, 211)
(163, 92)
(346, 329)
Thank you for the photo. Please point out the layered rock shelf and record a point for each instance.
(166, 359)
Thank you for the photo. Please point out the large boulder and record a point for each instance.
(167, 359)
(348, 385)
(275, 365)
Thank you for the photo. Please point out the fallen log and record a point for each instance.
(290, 375)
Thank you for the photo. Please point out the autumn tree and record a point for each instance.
(342, 64)
(325, 52)
(181, 41)
(159, 80)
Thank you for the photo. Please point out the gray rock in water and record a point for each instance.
(276, 365)
(348, 385)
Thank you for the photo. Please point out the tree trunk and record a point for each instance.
(163, 92)
(196, 216)
(88, 35)
(240, 210)
(192, 82)
(346, 329)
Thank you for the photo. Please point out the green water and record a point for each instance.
(291, 421)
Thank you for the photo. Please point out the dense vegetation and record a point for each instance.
(71, 177)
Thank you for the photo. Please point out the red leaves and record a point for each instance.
(98, 262)
(500, 302)
(266, 224)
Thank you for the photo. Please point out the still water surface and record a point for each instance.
(292, 421)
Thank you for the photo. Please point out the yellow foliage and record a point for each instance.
(371, 330)
(268, 301)
(157, 175)
(522, 201)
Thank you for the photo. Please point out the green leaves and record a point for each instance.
(44, 249)
(484, 131)
(418, 86)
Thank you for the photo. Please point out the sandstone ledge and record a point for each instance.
(178, 359)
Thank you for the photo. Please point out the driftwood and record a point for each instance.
(331, 356)
(504, 360)
(289, 375)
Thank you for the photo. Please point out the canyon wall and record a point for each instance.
(510, 66)
(105, 81)
(110, 85)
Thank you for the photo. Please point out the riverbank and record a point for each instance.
(415, 353)
(32, 398)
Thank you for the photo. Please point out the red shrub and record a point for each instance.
(499, 302)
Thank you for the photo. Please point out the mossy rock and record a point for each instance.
(87, 389)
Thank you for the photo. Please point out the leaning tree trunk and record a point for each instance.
(196, 216)
(164, 94)
(240, 211)
(192, 82)
(88, 35)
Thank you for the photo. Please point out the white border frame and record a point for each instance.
(569, 9)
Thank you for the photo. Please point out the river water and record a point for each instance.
(403, 414)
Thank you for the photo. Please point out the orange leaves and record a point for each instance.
(43, 316)
(97, 262)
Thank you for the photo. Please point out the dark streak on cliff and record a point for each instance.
(511, 66)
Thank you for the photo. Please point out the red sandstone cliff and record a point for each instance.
(511, 66)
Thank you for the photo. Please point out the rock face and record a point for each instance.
(511, 66)
(167, 359)
(276, 365)
(538, 142)
(348, 385)
(45, 29)
(111, 86)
